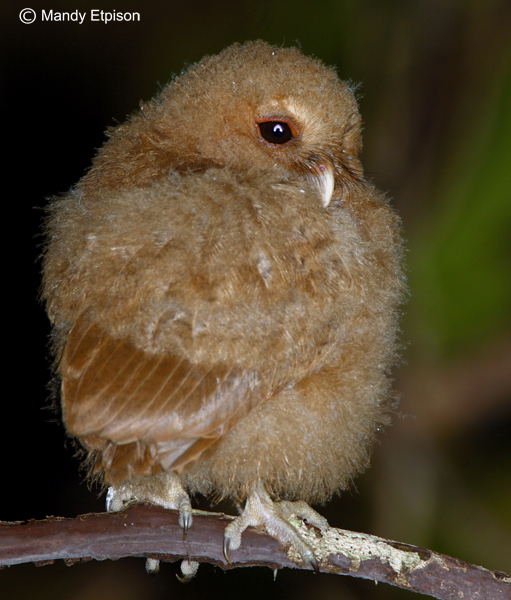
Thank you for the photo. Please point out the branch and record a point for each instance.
(153, 532)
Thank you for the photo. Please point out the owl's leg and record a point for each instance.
(164, 489)
(274, 517)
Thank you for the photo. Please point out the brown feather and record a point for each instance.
(161, 410)
(214, 316)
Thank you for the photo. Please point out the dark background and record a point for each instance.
(436, 101)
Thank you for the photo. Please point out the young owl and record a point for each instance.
(224, 286)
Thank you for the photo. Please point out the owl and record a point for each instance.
(224, 287)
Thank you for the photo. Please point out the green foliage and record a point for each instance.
(461, 256)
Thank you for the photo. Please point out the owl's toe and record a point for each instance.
(152, 566)
(275, 517)
(189, 569)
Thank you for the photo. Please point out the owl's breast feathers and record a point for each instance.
(186, 323)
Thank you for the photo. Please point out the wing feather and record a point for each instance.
(142, 412)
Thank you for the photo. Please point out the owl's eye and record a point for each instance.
(276, 132)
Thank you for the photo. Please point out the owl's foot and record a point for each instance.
(275, 518)
(164, 489)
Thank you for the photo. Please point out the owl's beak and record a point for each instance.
(324, 179)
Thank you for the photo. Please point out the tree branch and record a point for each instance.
(153, 532)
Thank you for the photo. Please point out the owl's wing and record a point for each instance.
(146, 412)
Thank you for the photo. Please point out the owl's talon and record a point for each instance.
(185, 516)
(314, 564)
(109, 499)
(227, 544)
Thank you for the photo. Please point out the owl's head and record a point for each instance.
(251, 108)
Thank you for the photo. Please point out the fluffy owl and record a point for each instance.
(224, 286)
